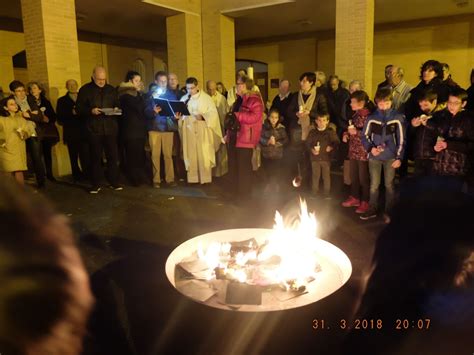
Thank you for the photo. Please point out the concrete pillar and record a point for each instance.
(52, 54)
(355, 41)
(184, 39)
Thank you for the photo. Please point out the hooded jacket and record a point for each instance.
(132, 123)
(387, 129)
(458, 132)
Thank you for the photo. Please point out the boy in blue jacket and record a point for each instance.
(384, 139)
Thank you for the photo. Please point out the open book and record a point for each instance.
(171, 107)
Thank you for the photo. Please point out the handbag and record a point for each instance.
(231, 123)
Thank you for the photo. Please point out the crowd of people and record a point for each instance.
(297, 139)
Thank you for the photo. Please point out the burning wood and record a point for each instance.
(240, 272)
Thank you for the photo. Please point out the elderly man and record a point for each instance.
(201, 133)
(400, 88)
(73, 131)
(222, 109)
(173, 86)
(97, 104)
(282, 100)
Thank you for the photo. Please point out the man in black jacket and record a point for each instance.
(73, 131)
(97, 104)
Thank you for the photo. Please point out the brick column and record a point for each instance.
(184, 40)
(218, 44)
(52, 53)
(355, 41)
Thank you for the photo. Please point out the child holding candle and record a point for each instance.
(358, 166)
(321, 141)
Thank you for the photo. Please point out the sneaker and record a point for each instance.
(156, 185)
(351, 202)
(364, 206)
(116, 187)
(94, 190)
(369, 214)
(386, 218)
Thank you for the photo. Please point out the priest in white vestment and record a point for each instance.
(201, 133)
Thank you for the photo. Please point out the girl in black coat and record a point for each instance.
(133, 127)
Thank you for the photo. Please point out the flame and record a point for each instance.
(294, 246)
(297, 181)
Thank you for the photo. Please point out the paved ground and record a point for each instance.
(129, 234)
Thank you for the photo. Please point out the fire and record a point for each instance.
(287, 257)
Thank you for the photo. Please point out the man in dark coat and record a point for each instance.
(74, 135)
(97, 104)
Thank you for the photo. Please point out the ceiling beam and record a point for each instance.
(252, 4)
(331, 33)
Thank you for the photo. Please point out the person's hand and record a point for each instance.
(45, 119)
(352, 131)
(157, 109)
(26, 114)
(424, 119)
(396, 164)
(415, 122)
(440, 145)
(96, 111)
(345, 138)
(35, 112)
(178, 116)
(329, 149)
(315, 151)
(272, 141)
(375, 151)
(74, 112)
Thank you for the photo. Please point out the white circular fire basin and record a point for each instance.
(336, 269)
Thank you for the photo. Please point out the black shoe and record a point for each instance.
(94, 190)
(116, 187)
(371, 213)
(172, 184)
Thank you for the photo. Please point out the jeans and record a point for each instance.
(375, 171)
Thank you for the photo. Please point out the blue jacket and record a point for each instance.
(385, 129)
(157, 122)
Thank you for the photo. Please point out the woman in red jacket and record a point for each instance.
(250, 117)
